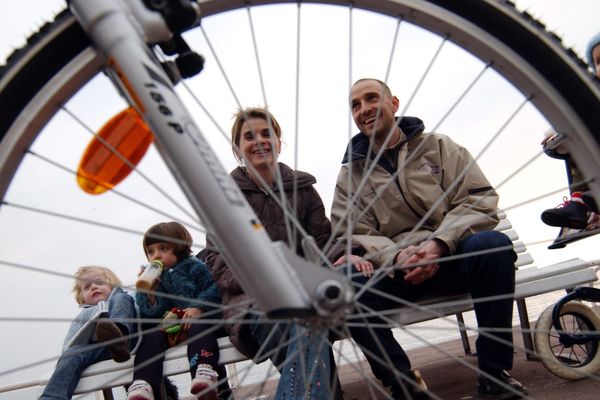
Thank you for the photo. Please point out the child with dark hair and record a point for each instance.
(192, 293)
(107, 315)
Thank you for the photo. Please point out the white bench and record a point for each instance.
(530, 281)
(107, 375)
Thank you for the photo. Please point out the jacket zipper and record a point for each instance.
(419, 216)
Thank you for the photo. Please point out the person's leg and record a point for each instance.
(491, 275)
(573, 212)
(119, 325)
(385, 356)
(270, 338)
(576, 179)
(148, 365)
(121, 310)
(488, 273)
(203, 355)
(203, 347)
(307, 365)
(68, 370)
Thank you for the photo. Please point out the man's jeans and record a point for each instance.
(485, 274)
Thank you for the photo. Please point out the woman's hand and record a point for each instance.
(190, 313)
(361, 265)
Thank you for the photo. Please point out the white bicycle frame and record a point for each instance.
(281, 282)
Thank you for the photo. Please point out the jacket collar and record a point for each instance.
(410, 126)
(289, 178)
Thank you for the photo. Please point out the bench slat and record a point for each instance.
(503, 225)
(523, 259)
(512, 235)
(557, 282)
(574, 264)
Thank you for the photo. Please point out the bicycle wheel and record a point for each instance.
(572, 363)
(57, 63)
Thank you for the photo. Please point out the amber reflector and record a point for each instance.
(125, 137)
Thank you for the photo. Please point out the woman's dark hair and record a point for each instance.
(170, 232)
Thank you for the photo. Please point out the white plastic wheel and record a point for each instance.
(572, 363)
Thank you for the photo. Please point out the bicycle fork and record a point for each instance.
(282, 283)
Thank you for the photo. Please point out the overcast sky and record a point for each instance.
(66, 246)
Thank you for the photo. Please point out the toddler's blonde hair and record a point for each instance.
(109, 277)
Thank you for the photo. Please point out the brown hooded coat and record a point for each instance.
(310, 214)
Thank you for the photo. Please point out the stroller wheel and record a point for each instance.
(575, 362)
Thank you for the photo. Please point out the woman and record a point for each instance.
(256, 142)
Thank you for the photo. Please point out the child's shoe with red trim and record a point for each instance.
(571, 214)
(140, 390)
(205, 382)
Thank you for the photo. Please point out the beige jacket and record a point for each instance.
(436, 179)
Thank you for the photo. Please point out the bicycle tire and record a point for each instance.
(558, 359)
(554, 78)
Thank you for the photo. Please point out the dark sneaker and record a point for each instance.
(503, 387)
(415, 390)
(570, 214)
(568, 235)
(107, 331)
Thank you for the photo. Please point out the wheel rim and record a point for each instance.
(578, 355)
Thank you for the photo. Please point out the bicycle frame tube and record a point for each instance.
(281, 282)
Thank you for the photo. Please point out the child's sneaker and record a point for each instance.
(205, 381)
(571, 214)
(108, 331)
(140, 390)
(568, 235)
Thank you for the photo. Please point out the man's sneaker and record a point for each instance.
(109, 331)
(502, 387)
(206, 382)
(417, 389)
(140, 390)
(571, 214)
